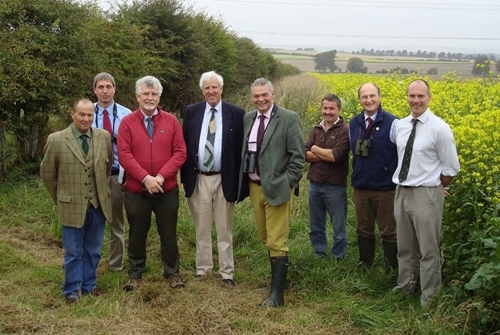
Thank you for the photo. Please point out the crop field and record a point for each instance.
(305, 63)
(462, 69)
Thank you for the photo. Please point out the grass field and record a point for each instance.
(322, 297)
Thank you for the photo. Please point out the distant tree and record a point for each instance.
(398, 53)
(299, 49)
(431, 54)
(325, 61)
(404, 71)
(363, 51)
(411, 54)
(356, 65)
(481, 66)
(441, 55)
(419, 53)
(424, 54)
(492, 58)
(384, 71)
(497, 65)
(433, 70)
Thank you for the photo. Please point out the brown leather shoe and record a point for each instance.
(175, 281)
(71, 301)
(132, 284)
(96, 291)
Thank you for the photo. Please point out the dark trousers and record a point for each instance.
(139, 211)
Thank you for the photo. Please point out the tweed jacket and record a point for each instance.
(282, 156)
(64, 173)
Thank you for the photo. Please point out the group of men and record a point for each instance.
(110, 158)
(401, 170)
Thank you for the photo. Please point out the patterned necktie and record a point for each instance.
(106, 124)
(150, 126)
(208, 158)
(85, 143)
(260, 136)
(260, 131)
(370, 121)
(405, 165)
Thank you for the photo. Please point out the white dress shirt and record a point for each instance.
(434, 151)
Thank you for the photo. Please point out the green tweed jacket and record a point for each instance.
(282, 155)
(64, 173)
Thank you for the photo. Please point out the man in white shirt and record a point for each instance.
(427, 163)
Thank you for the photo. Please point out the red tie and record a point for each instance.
(106, 124)
(370, 121)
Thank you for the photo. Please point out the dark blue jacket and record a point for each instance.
(374, 172)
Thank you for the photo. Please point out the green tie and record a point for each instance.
(208, 162)
(85, 144)
(405, 165)
(150, 127)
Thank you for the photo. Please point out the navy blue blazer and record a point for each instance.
(232, 141)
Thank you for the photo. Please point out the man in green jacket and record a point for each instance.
(272, 162)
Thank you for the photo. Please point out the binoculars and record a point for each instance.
(363, 147)
(250, 161)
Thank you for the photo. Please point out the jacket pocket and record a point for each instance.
(63, 197)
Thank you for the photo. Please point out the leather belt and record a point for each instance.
(406, 186)
(115, 172)
(258, 182)
(209, 173)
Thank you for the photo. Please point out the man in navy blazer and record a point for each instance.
(213, 132)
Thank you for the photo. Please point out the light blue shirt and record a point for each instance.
(121, 112)
(218, 137)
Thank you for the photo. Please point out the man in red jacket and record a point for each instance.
(151, 149)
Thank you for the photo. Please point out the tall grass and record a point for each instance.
(323, 296)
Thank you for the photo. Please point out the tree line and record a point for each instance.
(325, 62)
(420, 53)
(50, 51)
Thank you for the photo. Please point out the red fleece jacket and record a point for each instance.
(140, 156)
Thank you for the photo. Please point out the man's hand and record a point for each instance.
(153, 184)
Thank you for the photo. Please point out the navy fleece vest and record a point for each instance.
(374, 172)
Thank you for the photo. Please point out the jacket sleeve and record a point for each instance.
(341, 148)
(295, 147)
(49, 168)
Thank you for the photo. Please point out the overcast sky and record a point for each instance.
(431, 25)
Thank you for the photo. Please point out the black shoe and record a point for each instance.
(228, 282)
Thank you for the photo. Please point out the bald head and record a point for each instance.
(369, 98)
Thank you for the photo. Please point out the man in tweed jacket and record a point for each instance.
(74, 169)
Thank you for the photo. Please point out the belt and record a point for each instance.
(115, 172)
(258, 182)
(209, 173)
(406, 186)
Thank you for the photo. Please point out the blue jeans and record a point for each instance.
(323, 198)
(82, 252)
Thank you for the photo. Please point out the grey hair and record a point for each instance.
(148, 81)
(103, 76)
(263, 82)
(209, 75)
